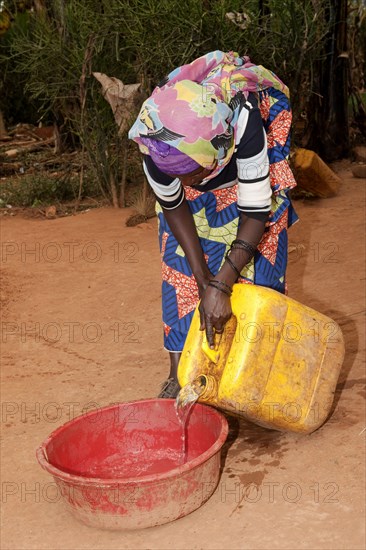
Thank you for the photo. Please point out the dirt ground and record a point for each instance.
(81, 328)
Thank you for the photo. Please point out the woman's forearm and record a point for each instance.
(250, 230)
(180, 221)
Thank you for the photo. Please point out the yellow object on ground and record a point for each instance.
(313, 175)
(277, 362)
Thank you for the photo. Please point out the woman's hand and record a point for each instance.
(215, 311)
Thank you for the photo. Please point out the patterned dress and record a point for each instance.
(216, 216)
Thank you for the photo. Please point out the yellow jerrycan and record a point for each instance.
(276, 364)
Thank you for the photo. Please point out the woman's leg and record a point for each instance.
(174, 361)
(171, 387)
(179, 300)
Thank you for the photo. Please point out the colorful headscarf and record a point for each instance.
(195, 109)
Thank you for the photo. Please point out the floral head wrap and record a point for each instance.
(195, 109)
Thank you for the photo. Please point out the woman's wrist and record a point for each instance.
(201, 273)
(240, 257)
(236, 260)
(226, 275)
(221, 286)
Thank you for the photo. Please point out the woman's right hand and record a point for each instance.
(215, 311)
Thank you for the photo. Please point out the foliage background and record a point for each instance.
(50, 49)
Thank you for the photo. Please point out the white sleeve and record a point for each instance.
(254, 187)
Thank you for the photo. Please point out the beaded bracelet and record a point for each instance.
(211, 283)
(231, 264)
(221, 283)
(244, 244)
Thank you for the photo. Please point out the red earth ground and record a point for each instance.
(81, 328)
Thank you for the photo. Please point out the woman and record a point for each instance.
(215, 139)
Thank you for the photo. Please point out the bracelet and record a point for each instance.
(231, 264)
(244, 244)
(248, 255)
(211, 283)
(221, 283)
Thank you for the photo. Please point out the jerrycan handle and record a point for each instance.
(212, 354)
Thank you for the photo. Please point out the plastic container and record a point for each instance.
(276, 364)
(120, 467)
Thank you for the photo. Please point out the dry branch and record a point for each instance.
(27, 147)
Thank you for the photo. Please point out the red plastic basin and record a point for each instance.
(120, 467)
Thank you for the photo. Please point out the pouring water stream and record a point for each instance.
(184, 402)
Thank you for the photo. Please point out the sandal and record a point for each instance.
(169, 389)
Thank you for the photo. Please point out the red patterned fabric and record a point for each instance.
(163, 242)
(279, 129)
(269, 242)
(187, 297)
(224, 197)
(281, 175)
(264, 108)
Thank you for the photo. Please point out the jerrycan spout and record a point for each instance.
(206, 385)
(203, 387)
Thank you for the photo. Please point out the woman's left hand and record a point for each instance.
(215, 311)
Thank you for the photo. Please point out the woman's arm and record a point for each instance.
(250, 230)
(254, 204)
(170, 194)
(215, 306)
(180, 221)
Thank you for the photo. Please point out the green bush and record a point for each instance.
(42, 190)
(52, 52)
